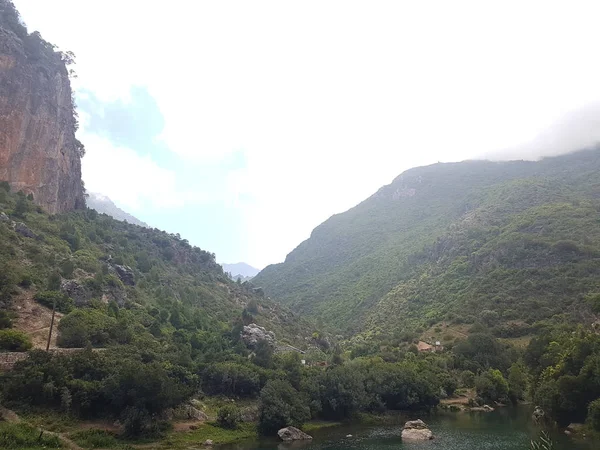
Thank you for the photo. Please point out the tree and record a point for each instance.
(21, 207)
(517, 382)
(491, 386)
(594, 414)
(280, 406)
(263, 354)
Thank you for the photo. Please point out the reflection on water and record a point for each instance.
(503, 429)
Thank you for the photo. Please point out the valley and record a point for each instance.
(466, 294)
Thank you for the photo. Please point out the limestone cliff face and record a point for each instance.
(39, 153)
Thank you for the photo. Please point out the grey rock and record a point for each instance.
(574, 428)
(292, 434)
(208, 442)
(188, 412)
(414, 434)
(415, 424)
(538, 414)
(125, 273)
(78, 292)
(416, 430)
(252, 334)
(24, 230)
(4, 217)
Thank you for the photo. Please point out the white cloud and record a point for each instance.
(328, 100)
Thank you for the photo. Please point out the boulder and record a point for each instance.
(414, 434)
(418, 424)
(416, 430)
(188, 412)
(574, 428)
(4, 217)
(24, 230)
(78, 292)
(125, 273)
(208, 442)
(252, 334)
(538, 414)
(292, 434)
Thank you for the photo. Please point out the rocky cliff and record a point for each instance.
(39, 153)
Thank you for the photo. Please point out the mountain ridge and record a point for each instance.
(355, 260)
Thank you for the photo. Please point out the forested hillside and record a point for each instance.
(505, 245)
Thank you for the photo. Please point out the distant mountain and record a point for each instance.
(105, 205)
(507, 244)
(241, 270)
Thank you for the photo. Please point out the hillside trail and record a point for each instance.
(12, 417)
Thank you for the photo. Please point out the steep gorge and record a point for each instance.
(39, 153)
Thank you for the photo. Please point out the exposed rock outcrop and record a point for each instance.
(289, 434)
(24, 230)
(126, 274)
(80, 294)
(252, 334)
(416, 430)
(39, 153)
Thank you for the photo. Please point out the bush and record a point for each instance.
(228, 417)
(5, 320)
(14, 341)
(593, 417)
(21, 435)
(64, 304)
(491, 386)
(280, 406)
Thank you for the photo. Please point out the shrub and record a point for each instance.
(280, 406)
(228, 417)
(594, 414)
(491, 386)
(64, 304)
(21, 435)
(14, 341)
(5, 320)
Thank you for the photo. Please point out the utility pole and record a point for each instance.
(51, 325)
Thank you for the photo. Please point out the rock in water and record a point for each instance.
(292, 434)
(416, 430)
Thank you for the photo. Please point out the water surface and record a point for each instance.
(503, 429)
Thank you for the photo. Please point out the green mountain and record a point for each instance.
(120, 283)
(502, 244)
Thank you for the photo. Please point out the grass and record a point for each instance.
(25, 437)
(95, 439)
(50, 420)
(318, 425)
(177, 440)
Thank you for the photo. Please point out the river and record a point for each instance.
(503, 429)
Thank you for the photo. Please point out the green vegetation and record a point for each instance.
(14, 341)
(24, 437)
(501, 247)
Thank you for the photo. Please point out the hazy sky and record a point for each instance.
(243, 125)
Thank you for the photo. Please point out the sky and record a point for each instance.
(243, 125)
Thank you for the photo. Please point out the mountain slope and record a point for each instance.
(241, 269)
(105, 205)
(90, 261)
(521, 239)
